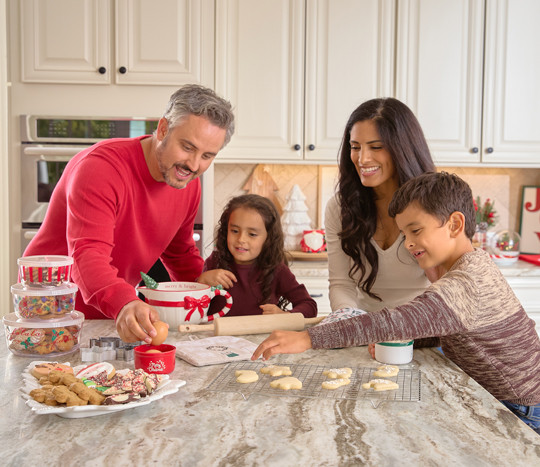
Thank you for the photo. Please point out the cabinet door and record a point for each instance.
(294, 71)
(65, 41)
(512, 77)
(349, 59)
(167, 42)
(259, 68)
(439, 73)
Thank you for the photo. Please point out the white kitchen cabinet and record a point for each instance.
(169, 42)
(295, 69)
(469, 70)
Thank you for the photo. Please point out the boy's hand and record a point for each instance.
(283, 342)
(269, 309)
(371, 350)
(216, 277)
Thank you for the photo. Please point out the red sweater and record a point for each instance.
(115, 220)
(246, 293)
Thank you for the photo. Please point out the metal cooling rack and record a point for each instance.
(312, 378)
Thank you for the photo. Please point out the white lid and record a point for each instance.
(75, 318)
(64, 288)
(45, 261)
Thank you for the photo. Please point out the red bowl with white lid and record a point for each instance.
(51, 270)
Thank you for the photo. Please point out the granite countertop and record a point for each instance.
(456, 422)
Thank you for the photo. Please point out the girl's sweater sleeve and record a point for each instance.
(289, 288)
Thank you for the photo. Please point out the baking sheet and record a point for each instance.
(408, 378)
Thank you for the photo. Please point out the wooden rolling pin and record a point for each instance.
(256, 324)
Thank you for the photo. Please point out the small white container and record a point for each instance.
(394, 352)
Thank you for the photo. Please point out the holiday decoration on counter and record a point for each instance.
(295, 218)
(485, 212)
(486, 216)
(313, 241)
(261, 183)
(530, 220)
(504, 247)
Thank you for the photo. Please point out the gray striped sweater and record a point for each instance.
(481, 324)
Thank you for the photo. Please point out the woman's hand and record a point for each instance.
(283, 342)
(269, 309)
(216, 277)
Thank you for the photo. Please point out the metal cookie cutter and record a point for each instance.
(108, 348)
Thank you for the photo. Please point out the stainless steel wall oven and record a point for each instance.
(47, 145)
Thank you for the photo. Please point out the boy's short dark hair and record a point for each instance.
(439, 194)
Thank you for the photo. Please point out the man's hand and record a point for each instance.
(283, 342)
(134, 322)
(216, 277)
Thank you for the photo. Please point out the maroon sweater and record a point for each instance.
(482, 327)
(246, 293)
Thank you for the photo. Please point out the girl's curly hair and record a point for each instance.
(404, 139)
(273, 251)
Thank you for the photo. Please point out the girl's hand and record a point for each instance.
(283, 342)
(269, 309)
(371, 350)
(216, 277)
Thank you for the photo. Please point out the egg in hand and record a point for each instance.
(162, 330)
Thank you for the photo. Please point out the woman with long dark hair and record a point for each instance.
(383, 146)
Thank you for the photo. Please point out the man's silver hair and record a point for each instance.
(194, 99)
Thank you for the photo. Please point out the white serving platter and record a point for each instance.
(166, 387)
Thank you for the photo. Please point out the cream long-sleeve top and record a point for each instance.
(398, 281)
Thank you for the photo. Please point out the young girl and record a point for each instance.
(249, 261)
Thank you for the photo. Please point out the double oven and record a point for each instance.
(47, 145)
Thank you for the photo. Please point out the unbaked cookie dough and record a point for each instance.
(286, 383)
(246, 376)
(381, 385)
(386, 371)
(275, 370)
(335, 383)
(334, 373)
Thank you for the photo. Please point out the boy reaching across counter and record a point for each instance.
(481, 324)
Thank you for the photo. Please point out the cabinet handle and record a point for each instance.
(319, 295)
(102, 70)
(311, 147)
(122, 70)
(489, 150)
(297, 147)
(474, 150)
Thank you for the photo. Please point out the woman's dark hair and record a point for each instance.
(404, 139)
(273, 251)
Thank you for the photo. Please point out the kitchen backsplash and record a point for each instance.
(502, 185)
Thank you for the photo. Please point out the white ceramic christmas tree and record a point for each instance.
(295, 219)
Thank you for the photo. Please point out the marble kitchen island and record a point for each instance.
(456, 422)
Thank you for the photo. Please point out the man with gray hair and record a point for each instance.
(123, 203)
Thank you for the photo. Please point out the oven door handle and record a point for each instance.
(56, 153)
